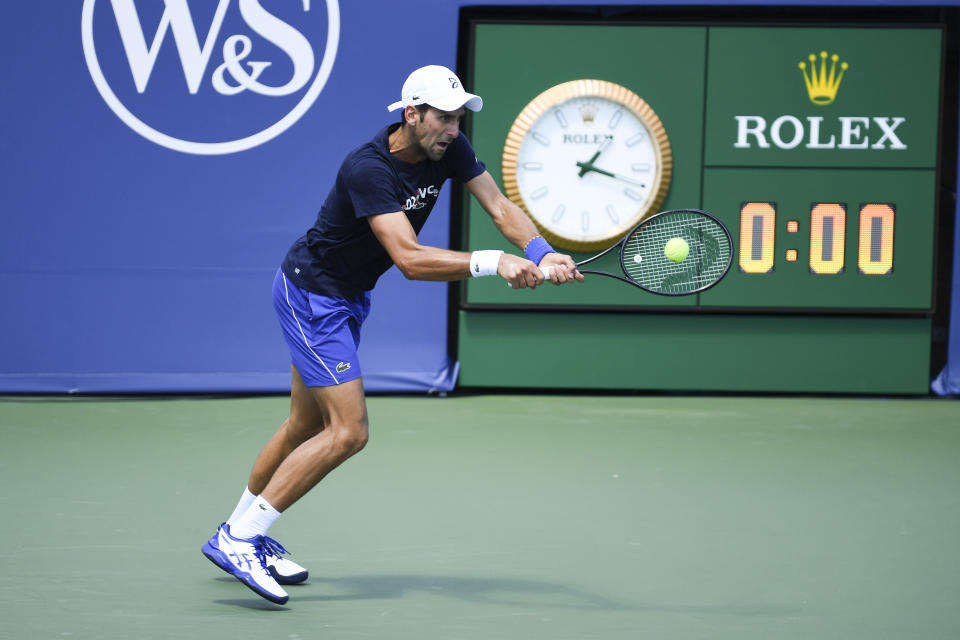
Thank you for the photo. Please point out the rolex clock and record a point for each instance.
(587, 160)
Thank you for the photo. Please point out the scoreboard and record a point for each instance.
(818, 146)
(824, 157)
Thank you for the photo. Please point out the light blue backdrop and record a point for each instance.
(127, 265)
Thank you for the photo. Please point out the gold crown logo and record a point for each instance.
(821, 85)
(588, 111)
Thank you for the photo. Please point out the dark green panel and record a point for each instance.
(695, 352)
(893, 73)
(541, 56)
(791, 284)
(711, 76)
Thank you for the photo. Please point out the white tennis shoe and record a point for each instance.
(283, 570)
(246, 560)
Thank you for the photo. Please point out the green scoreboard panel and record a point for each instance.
(817, 146)
(830, 185)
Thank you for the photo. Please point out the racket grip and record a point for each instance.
(546, 272)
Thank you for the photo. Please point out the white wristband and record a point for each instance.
(484, 263)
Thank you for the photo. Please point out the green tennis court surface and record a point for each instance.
(494, 517)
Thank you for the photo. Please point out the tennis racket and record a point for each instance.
(646, 265)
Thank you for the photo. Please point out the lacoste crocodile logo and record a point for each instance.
(343, 366)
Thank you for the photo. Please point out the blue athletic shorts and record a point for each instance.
(322, 332)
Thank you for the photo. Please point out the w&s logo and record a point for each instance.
(210, 76)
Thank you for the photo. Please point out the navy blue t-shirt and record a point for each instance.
(340, 255)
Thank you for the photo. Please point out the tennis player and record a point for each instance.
(383, 193)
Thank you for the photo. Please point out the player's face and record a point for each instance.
(437, 130)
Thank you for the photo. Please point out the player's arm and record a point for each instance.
(516, 227)
(422, 262)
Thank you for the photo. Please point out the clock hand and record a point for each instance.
(587, 166)
(589, 163)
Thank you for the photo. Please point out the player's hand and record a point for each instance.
(519, 272)
(564, 268)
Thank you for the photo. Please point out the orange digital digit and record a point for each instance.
(757, 220)
(827, 235)
(875, 250)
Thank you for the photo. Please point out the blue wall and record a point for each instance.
(127, 265)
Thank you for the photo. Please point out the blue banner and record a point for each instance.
(158, 160)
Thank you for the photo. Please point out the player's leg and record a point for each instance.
(323, 334)
(326, 398)
(306, 420)
(346, 433)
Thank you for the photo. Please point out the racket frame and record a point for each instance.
(623, 243)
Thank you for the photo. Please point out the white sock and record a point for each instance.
(255, 520)
(245, 501)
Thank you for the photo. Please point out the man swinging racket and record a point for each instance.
(383, 193)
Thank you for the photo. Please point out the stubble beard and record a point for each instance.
(432, 151)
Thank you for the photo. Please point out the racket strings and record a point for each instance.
(644, 261)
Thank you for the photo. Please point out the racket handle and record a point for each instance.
(546, 272)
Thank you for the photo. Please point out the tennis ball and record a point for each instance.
(676, 249)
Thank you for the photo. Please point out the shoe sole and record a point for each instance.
(296, 578)
(218, 558)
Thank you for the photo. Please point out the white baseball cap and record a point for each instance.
(439, 87)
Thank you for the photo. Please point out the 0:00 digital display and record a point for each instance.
(828, 224)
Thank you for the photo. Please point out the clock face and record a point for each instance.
(587, 160)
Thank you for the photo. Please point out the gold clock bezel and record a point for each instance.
(578, 89)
